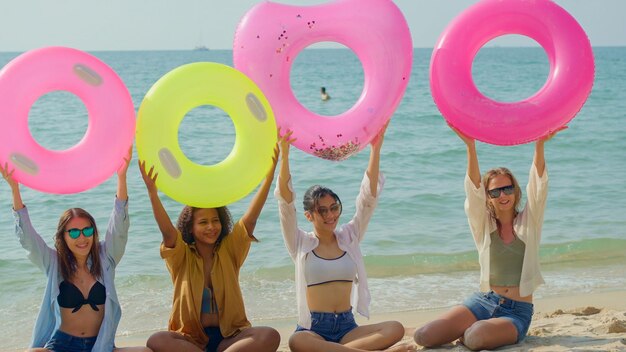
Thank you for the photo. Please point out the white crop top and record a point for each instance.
(318, 270)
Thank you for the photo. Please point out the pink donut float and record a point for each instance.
(554, 105)
(270, 36)
(110, 130)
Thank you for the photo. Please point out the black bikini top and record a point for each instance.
(71, 297)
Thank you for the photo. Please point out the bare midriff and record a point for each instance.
(511, 292)
(209, 320)
(331, 297)
(83, 323)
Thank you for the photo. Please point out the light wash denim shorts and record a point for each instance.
(487, 305)
(331, 326)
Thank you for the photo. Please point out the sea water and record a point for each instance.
(419, 253)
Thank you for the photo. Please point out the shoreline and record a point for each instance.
(560, 323)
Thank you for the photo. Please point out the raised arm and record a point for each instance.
(39, 252)
(15, 187)
(373, 167)
(122, 188)
(539, 159)
(117, 230)
(256, 205)
(473, 171)
(371, 185)
(284, 143)
(160, 215)
(284, 195)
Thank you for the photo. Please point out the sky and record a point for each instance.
(94, 25)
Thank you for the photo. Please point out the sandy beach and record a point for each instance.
(579, 322)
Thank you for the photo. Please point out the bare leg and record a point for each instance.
(308, 341)
(38, 350)
(449, 327)
(132, 349)
(165, 341)
(260, 338)
(489, 334)
(375, 336)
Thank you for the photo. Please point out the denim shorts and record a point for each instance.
(215, 337)
(487, 305)
(62, 342)
(331, 326)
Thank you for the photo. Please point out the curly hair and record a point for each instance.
(67, 261)
(489, 175)
(185, 223)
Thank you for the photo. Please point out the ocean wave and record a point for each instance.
(589, 252)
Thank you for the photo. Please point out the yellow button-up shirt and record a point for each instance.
(186, 268)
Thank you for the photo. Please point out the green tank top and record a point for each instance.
(505, 261)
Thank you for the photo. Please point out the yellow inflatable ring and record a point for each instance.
(162, 111)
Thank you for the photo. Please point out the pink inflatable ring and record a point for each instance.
(270, 36)
(109, 134)
(554, 105)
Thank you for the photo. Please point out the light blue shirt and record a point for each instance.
(111, 251)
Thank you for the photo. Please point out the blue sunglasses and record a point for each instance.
(87, 232)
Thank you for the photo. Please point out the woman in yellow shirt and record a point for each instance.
(203, 254)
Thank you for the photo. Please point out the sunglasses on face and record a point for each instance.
(334, 209)
(495, 193)
(87, 232)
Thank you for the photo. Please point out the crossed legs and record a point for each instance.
(460, 323)
(257, 339)
(374, 337)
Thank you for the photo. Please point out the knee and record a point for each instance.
(269, 337)
(157, 339)
(297, 343)
(395, 330)
(424, 336)
(473, 338)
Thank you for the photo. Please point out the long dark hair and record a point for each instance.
(67, 261)
(185, 223)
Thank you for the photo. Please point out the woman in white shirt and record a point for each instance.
(329, 264)
(508, 252)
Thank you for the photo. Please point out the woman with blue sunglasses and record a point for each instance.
(80, 310)
(508, 253)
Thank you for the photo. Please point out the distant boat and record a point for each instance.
(200, 48)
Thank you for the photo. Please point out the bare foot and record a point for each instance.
(402, 348)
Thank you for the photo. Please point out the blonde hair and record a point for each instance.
(489, 175)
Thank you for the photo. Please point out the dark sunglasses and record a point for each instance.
(335, 209)
(87, 232)
(495, 193)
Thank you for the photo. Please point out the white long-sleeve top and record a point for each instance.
(527, 226)
(349, 236)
